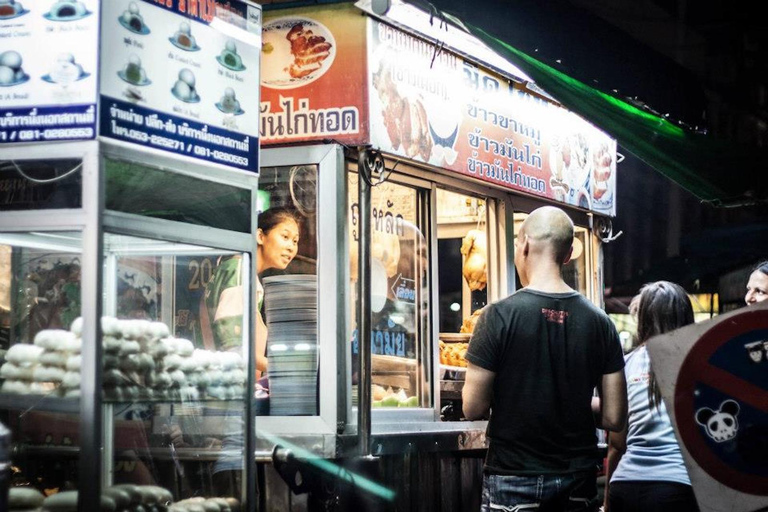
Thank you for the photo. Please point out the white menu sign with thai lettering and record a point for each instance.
(48, 63)
(183, 76)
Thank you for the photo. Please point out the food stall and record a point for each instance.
(128, 170)
(414, 159)
(407, 161)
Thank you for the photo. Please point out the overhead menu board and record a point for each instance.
(433, 106)
(182, 76)
(48, 63)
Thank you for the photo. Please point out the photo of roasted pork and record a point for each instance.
(405, 118)
(308, 49)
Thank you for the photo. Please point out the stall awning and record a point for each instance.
(715, 171)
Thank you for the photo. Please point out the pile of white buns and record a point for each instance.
(141, 361)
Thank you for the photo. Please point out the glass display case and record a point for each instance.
(302, 401)
(113, 267)
(399, 295)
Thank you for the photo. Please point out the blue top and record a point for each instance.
(652, 450)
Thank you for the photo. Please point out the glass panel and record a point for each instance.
(575, 271)
(463, 256)
(462, 252)
(400, 362)
(40, 184)
(142, 190)
(173, 403)
(286, 260)
(174, 367)
(39, 299)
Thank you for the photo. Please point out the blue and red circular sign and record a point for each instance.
(721, 402)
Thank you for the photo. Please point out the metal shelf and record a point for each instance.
(45, 403)
(49, 403)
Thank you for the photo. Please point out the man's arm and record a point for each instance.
(477, 392)
(617, 445)
(613, 401)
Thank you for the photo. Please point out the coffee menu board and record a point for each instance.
(435, 107)
(182, 76)
(48, 62)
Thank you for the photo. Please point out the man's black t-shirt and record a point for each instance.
(548, 352)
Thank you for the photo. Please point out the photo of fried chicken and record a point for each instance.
(405, 118)
(309, 50)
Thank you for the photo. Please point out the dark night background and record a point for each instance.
(669, 233)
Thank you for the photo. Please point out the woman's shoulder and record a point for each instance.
(637, 355)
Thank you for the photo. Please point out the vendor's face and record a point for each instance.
(278, 246)
(757, 288)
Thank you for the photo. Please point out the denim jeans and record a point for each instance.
(542, 493)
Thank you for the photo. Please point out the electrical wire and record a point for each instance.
(51, 180)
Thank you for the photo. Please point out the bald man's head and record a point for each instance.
(550, 227)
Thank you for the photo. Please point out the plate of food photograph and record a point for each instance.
(295, 51)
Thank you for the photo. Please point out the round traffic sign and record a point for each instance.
(721, 402)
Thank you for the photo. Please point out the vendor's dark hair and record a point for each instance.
(663, 307)
(762, 267)
(270, 218)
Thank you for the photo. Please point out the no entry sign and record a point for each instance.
(714, 380)
(721, 402)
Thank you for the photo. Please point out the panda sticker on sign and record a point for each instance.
(720, 425)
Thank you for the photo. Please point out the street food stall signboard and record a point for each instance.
(433, 106)
(48, 62)
(180, 76)
(313, 76)
(714, 381)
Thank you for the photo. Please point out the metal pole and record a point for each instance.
(91, 419)
(249, 491)
(364, 305)
(5, 465)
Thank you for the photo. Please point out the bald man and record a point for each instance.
(535, 359)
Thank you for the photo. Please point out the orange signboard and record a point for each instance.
(313, 79)
(331, 73)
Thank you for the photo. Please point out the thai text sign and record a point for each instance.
(435, 107)
(180, 76)
(48, 78)
(313, 75)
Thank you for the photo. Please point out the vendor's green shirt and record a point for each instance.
(224, 300)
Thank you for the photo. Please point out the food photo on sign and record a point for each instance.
(312, 66)
(433, 106)
(296, 51)
(414, 95)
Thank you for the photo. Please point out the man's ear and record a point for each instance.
(259, 237)
(568, 256)
(526, 248)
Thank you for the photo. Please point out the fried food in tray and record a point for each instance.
(468, 325)
(453, 354)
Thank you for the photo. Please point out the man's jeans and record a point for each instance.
(543, 493)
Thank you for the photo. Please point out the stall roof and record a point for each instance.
(716, 171)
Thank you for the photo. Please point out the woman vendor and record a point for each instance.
(277, 241)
